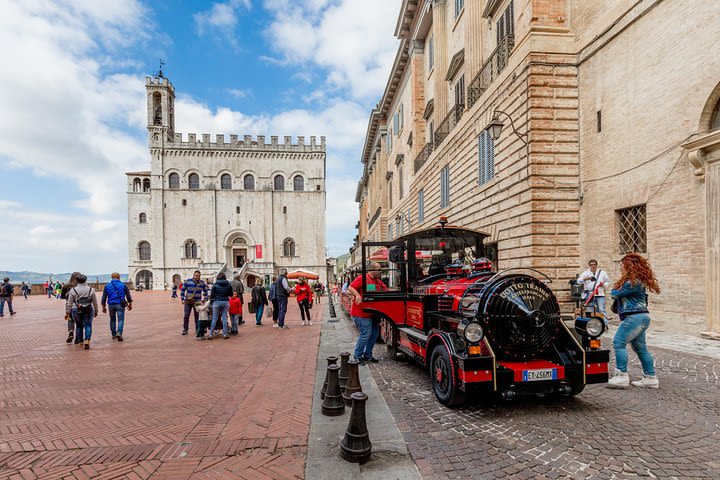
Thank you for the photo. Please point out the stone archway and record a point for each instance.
(144, 278)
(239, 249)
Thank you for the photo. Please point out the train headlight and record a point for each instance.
(473, 331)
(591, 327)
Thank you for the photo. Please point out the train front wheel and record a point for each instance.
(443, 378)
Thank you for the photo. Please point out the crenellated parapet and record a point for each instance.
(245, 143)
(158, 82)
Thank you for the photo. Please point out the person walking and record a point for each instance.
(58, 290)
(7, 292)
(25, 290)
(318, 288)
(116, 295)
(282, 291)
(174, 289)
(368, 326)
(594, 281)
(48, 288)
(630, 294)
(220, 294)
(238, 288)
(193, 290)
(82, 297)
(259, 299)
(304, 296)
(273, 300)
(73, 322)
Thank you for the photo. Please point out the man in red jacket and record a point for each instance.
(369, 327)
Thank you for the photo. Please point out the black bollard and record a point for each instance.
(331, 306)
(353, 382)
(355, 446)
(332, 360)
(333, 404)
(343, 375)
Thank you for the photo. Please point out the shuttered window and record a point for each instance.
(421, 206)
(459, 4)
(445, 187)
(486, 157)
(505, 24)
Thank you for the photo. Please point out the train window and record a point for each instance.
(390, 273)
(434, 254)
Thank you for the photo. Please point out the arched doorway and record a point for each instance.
(251, 279)
(144, 278)
(239, 252)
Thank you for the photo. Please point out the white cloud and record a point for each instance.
(352, 39)
(221, 18)
(239, 92)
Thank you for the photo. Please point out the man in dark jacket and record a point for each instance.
(282, 291)
(193, 290)
(116, 295)
(6, 295)
(220, 297)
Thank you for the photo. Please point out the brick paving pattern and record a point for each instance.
(159, 405)
(672, 432)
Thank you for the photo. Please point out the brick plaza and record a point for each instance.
(158, 405)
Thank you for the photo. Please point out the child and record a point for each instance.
(235, 312)
(203, 320)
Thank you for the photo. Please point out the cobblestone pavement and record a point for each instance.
(158, 405)
(672, 432)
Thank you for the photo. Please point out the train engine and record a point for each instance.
(479, 332)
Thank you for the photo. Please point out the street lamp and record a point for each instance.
(496, 125)
(400, 216)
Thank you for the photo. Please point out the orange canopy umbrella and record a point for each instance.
(303, 273)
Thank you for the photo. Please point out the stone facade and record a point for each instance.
(240, 206)
(600, 104)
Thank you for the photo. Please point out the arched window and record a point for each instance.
(237, 209)
(249, 182)
(144, 251)
(285, 210)
(190, 249)
(194, 181)
(226, 182)
(184, 202)
(146, 185)
(279, 182)
(143, 217)
(157, 108)
(174, 181)
(289, 247)
(715, 119)
(137, 185)
(298, 183)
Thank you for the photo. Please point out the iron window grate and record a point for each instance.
(632, 229)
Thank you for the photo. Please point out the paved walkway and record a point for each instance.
(159, 405)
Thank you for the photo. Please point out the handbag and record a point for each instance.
(615, 306)
(269, 311)
(251, 306)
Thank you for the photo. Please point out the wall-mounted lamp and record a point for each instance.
(496, 126)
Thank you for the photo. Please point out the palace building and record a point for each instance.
(239, 205)
(564, 129)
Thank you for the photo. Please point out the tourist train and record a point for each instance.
(478, 331)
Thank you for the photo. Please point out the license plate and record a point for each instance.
(539, 375)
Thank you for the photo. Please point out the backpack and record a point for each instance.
(84, 304)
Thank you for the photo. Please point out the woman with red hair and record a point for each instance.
(630, 294)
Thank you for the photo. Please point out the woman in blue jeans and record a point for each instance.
(220, 294)
(630, 293)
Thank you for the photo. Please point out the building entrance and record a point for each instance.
(239, 257)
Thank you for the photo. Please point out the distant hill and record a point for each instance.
(35, 277)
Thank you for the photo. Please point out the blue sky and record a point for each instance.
(73, 105)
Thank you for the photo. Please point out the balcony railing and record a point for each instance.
(448, 124)
(423, 156)
(490, 70)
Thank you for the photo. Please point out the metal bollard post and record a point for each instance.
(353, 382)
(355, 446)
(332, 360)
(333, 404)
(343, 375)
(332, 306)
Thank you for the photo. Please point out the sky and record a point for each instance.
(72, 105)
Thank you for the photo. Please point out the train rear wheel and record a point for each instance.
(391, 340)
(443, 378)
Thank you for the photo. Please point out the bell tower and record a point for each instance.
(160, 107)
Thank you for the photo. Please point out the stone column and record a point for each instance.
(704, 154)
